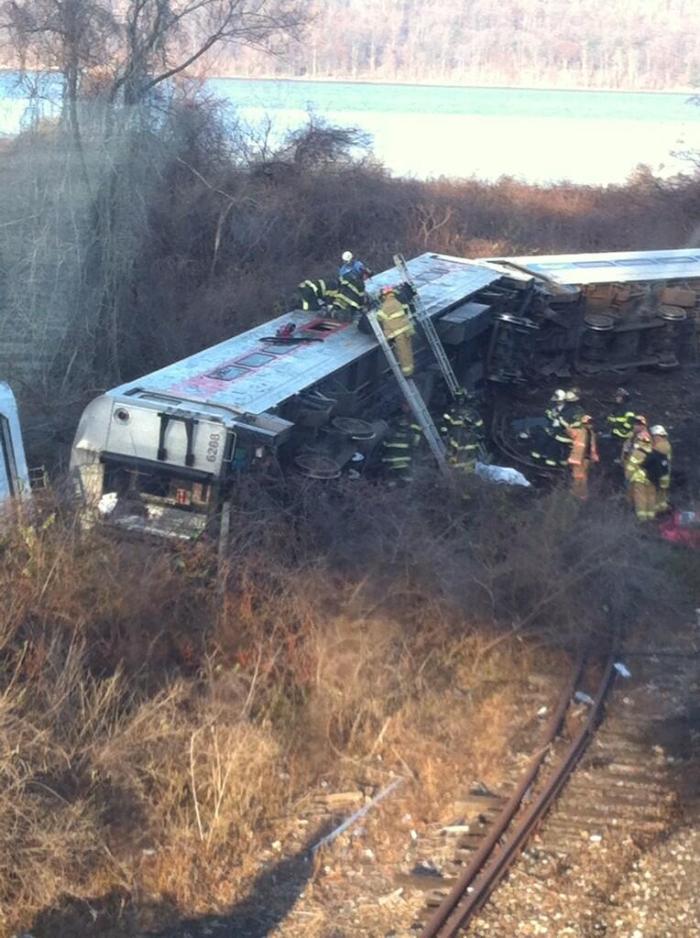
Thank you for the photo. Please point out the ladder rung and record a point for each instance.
(423, 319)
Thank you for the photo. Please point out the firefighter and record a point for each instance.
(462, 431)
(641, 489)
(622, 417)
(639, 425)
(353, 267)
(461, 442)
(540, 449)
(312, 295)
(658, 467)
(465, 406)
(393, 317)
(348, 299)
(398, 449)
(584, 451)
(571, 411)
(551, 445)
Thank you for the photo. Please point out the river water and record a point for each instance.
(428, 131)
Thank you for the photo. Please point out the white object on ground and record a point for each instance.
(348, 822)
(107, 503)
(622, 670)
(581, 697)
(502, 475)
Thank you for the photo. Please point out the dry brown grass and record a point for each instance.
(154, 733)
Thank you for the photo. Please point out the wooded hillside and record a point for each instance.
(587, 43)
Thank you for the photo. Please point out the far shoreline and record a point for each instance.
(398, 82)
(402, 82)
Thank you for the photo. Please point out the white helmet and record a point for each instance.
(347, 257)
(572, 396)
(658, 430)
(559, 396)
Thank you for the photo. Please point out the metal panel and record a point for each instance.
(247, 376)
(14, 477)
(617, 267)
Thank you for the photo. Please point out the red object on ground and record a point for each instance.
(683, 527)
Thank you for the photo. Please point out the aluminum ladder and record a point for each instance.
(423, 319)
(412, 396)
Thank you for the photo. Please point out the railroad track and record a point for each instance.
(499, 437)
(607, 766)
(500, 840)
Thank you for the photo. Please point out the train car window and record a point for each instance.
(677, 260)
(255, 359)
(324, 325)
(228, 373)
(640, 261)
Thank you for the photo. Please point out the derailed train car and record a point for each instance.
(162, 452)
(14, 476)
(591, 313)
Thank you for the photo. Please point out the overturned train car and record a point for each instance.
(162, 452)
(591, 313)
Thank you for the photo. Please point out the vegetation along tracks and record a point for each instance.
(624, 792)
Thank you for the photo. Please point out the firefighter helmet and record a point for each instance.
(347, 257)
(573, 395)
(658, 430)
(559, 396)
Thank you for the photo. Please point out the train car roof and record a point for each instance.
(615, 267)
(250, 375)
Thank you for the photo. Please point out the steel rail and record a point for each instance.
(488, 866)
(498, 437)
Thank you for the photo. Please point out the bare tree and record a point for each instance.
(162, 38)
(142, 43)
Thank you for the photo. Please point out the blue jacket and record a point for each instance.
(354, 269)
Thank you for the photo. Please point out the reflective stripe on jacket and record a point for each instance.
(393, 318)
(621, 423)
(634, 466)
(347, 295)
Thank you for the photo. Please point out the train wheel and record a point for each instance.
(353, 428)
(315, 466)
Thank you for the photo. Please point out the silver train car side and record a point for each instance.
(159, 454)
(14, 476)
